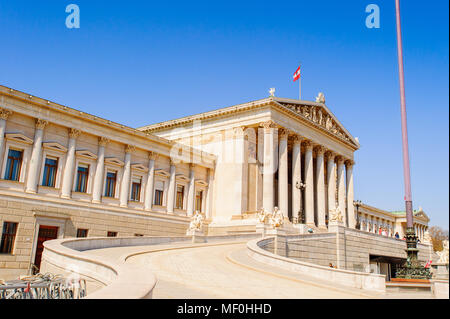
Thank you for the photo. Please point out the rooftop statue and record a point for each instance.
(320, 98)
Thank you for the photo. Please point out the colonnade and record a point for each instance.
(315, 200)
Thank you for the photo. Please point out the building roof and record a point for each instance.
(315, 114)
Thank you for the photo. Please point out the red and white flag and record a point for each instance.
(297, 74)
(428, 263)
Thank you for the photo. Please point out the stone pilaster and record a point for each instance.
(296, 178)
(4, 114)
(191, 191)
(320, 173)
(70, 164)
(98, 178)
(350, 195)
(309, 188)
(241, 170)
(209, 194)
(172, 189)
(33, 171)
(283, 196)
(148, 199)
(341, 188)
(269, 166)
(125, 186)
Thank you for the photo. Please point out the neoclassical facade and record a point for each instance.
(274, 152)
(66, 173)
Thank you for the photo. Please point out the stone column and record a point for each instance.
(98, 178)
(341, 189)
(309, 188)
(33, 171)
(67, 181)
(191, 191)
(172, 189)
(331, 181)
(148, 201)
(4, 114)
(125, 186)
(269, 166)
(283, 196)
(320, 173)
(350, 195)
(296, 177)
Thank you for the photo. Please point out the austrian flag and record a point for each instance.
(297, 74)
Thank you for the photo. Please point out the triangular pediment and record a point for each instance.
(162, 172)
(86, 154)
(182, 177)
(319, 116)
(54, 146)
(139, 167)
(114, 161)
(201, 182)
(421, 214)
(18, 137)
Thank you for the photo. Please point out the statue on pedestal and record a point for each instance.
(196, 222)
(276, 220)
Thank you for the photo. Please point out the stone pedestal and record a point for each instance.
(302, 228)
(440, 271)
(197, 235)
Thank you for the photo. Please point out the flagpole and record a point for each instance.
(300, 83)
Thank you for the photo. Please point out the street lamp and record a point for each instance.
(299, 218)
(412, 268)
(357, 203)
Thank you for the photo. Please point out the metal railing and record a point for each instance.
(43, 286)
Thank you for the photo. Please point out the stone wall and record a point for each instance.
(343, 247)
(28, 211)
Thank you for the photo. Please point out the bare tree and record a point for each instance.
(437, 235)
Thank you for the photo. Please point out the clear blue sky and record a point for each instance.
(141, 62)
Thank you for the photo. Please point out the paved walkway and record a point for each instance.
(205, 271)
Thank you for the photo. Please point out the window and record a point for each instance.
(13, 165)
(138, 235)
(82, 232)
(8, 237)
(110, 184)
(51, 165)
(82, 178)
(112, 234)
(198, 200)
(180, 196)
(159, 193)
(136, 189)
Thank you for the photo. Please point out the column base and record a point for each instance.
(96, 201)
(65, 196)
(30, 191)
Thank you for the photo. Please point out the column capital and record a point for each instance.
(130, 148)
(268, 125)
(320, 150)
(173, 162)
(349, 163)
(330, 155)
(40, 124)
(340, 159)
(102, 141)
(152, 155)
(308, 144)
(239, 131)
(296, 139)
(74, 133)
(283, 133)
(191, 166)
(4, 113)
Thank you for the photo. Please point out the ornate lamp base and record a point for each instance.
(412, 269)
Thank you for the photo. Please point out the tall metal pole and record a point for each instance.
(412, 268)
(406, 170)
